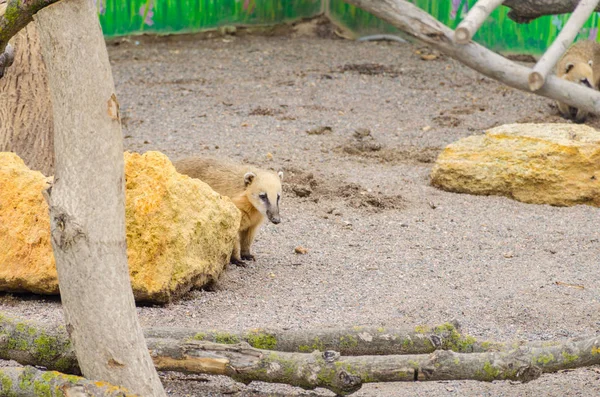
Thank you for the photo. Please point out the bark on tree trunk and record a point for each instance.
(29, 381)
(26, 126)
(87, 210)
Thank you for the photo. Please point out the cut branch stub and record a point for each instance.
(565, 38)
(474, 19)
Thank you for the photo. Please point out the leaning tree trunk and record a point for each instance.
(26, 126)
(87, 201)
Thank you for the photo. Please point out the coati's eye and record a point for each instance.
(263, 196)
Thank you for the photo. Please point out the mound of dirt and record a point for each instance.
(304, 184)
(362, 143)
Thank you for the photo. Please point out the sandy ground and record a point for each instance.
(384, 247)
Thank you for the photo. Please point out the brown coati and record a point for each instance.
(255, 192)
(581, 65)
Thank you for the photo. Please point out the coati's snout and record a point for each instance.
(274, 216)
(584, 81)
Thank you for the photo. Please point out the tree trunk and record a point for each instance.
(87, 201)
(29, 381)
(26, 126)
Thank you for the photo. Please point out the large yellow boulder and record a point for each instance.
(180, 232)
(557, 164)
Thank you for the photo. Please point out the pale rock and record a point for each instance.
(557, 164)
(180, 233)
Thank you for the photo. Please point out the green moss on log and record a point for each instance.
(348, 342)
(41, 389)
(261, 340)
(453, 340)
(544, 359)
(569, 358)
(226, 338)
(6, 386)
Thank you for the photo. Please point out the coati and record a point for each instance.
(255, 192)
(581, 65)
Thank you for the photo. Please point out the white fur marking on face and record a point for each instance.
(248, 178)
(280, 175)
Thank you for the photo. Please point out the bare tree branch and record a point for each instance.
(17, 14)
(474, 19)
(524, 11)
(423, 27)
(544, 66)
(14, 16)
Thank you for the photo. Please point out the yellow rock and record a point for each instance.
(26, 261)
(557, 164)
(180, 233)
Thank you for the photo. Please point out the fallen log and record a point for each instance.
(340, 374)
(29, 381)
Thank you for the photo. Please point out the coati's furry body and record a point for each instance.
(255, 192)
(581, 65)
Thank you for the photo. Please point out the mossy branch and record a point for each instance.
(29, 381)
(14, 16)
(354, 341)
(33, 344)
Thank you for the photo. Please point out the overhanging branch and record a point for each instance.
(524, 11)
(14, 16)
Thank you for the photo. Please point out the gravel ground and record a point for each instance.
(384, 247)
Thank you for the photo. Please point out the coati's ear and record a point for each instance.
(248, 178)
(568, 67)
(591, 62)
(280, 175)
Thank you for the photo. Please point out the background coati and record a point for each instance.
(581, 65)
(255, 192)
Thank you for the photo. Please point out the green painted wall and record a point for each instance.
(498, 32)
(121, 17)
